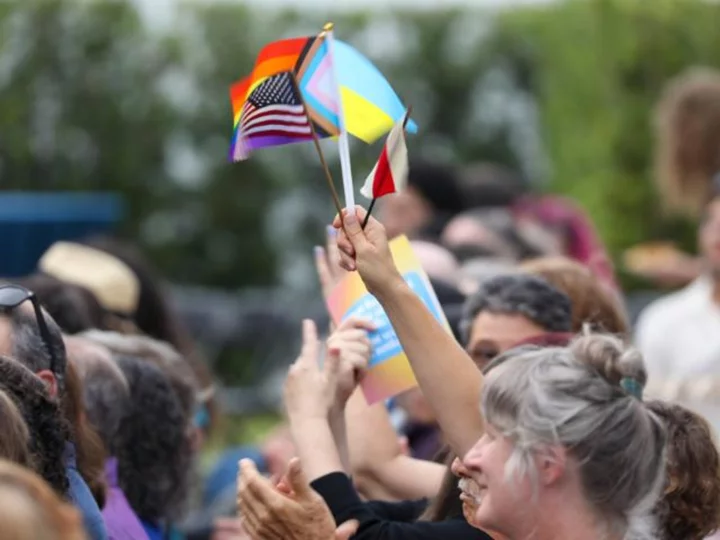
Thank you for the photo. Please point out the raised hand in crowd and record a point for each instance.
(269, 514)
(327, 263)
(315, 397)
(351, 341)
(424, 340)
(366, 250)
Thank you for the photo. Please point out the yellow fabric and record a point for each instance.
(363, 119)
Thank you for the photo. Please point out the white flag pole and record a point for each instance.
(343, 142)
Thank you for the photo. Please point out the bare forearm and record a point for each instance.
(315, 446)
(338, 427)
(433, 354)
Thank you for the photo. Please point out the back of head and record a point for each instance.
(73, 307)
(48, 428)
(105, 390)
(152, 315)
(519, 294)
(687, 155)
(438, 262)
(153, 447)
(593, 303)
(486, 184)
(28, 346)
(575, 397)
(155, 316)
(14, 433)
(89, 447)
(439, 186)
(30, 510)
(690, 506)
(163, 355)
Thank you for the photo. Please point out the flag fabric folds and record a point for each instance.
(273, 115)
(370, 104)
(326, 83)
(267, 109)
(391, 171)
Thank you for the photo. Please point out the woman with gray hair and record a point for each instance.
(561, 448)
(559, 421)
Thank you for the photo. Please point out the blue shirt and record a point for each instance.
(82, 498)
(155, 532)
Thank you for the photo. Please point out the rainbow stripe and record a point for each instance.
(370, 106)
(389, 373)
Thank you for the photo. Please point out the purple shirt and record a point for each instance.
(120, 520)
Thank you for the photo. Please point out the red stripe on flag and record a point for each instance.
(383, 183)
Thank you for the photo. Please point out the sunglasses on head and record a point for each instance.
(11, 296)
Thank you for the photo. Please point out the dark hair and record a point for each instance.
(90, 451)
(690, 506)
(154, 315)
(153, 445)
(28, 346)
(446, 504)
(49, 430)
(438, 184)
(14, 433)
(520, 294)
(486, 184)
(74, 308)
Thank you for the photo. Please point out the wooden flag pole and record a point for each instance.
(324, 164)
(372, 203)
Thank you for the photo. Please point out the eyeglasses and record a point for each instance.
(11, 296)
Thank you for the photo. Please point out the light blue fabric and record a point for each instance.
(82, 498)
(355, 72)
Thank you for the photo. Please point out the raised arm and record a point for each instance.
(381, 470)
(446, 374)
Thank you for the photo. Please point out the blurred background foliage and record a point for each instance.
(94, 97)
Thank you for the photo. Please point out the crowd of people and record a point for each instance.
(542, 415)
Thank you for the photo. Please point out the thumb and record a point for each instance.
(353, 229)
(297, 479)
(346, 530)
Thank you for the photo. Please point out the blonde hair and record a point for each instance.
(687, 126)
(31, 510)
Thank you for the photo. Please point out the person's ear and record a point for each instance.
(551, 464)
(48, 377)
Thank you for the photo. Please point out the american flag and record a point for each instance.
(275, 109)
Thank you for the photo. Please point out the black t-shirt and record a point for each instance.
(385, 520)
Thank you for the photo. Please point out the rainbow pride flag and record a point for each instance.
(370, 106)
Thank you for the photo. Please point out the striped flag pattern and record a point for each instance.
(272, 115)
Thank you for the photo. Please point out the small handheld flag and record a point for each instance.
(391, 171)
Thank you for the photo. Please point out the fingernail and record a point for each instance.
(351, 218)
(318, 251)
(331, 231)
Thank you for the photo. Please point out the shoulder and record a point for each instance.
(673, 307)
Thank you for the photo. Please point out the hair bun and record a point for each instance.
(621, 365)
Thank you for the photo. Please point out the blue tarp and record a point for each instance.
(32, 222)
